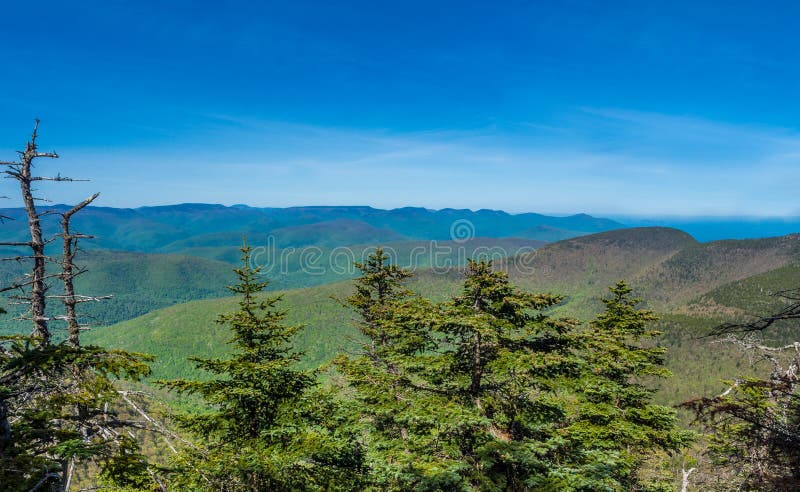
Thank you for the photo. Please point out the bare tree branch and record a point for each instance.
(69, 249)
(22, 173)
(762, 323)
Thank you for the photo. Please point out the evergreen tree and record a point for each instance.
(395, 326)
(502, 363)
(377, 289)
(265, 429)
(59, 407)
(616, 426)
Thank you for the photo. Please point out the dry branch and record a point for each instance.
(69, 249)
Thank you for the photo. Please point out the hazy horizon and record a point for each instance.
(610, 109)
(609, 215)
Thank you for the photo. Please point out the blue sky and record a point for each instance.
(654, 108)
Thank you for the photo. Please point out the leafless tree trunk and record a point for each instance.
(66, 373)
(685, 478)
(21, 171)
(68, 271)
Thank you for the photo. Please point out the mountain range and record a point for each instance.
(198, 227)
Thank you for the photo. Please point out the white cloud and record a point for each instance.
(593, 160)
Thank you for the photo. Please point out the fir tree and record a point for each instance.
(395, 326)
(501, 362)
(265, 429)
(59, 405)
(616, 426)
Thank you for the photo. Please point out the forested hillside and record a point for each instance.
(137, 283)
(580, 269)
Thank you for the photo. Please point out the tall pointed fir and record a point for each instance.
(395, 325)
(502, 362)
(262, 431)
(616, 426)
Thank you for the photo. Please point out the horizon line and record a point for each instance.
(597, 215)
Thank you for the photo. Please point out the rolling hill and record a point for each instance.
(580, 268)
(143, 282)
(139, 283)
(704, 267)
(665, 266)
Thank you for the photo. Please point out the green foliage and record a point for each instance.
(56, 400)
(460, 395)
(395, 327)
(502, 363)
(615, 426)
(262, 430)
(488, 392)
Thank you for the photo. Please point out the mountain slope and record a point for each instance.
(579, 268)
(138, 282)
(173, 333)
(704, 267)
(297, 267)
(582, 268)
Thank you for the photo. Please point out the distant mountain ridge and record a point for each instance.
(165, 228)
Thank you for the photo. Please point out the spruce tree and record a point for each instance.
(395, 325)
(502, 362)
(265, 429)
(616, 426)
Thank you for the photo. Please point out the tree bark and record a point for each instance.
(5, 427)
(70, 248)
(37, 244)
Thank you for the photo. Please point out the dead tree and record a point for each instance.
(35, 286)
(22, 172)
(69, 271)
(70, 384)
(790, 312)
(756, 421)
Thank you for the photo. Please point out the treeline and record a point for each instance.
(481, 392)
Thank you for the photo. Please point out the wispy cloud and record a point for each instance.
(595, 160)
